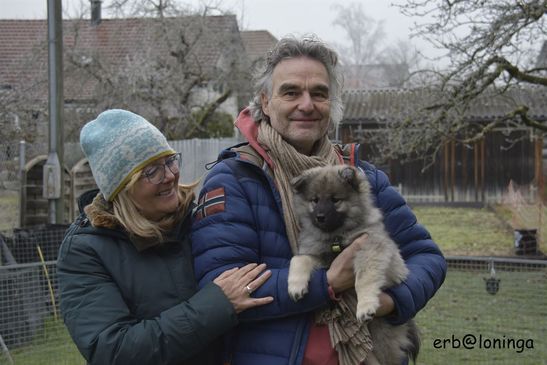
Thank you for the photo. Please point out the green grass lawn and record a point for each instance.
(517, 313)
(9, 209)
(52, 345)
(469, 231)
(511, 320)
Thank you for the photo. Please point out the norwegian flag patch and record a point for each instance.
(210, 203)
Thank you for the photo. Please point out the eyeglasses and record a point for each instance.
(156, 173)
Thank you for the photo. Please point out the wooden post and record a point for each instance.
(476, 169)
(452, 169)
(538, 163)
(445, 168)
(482, 170)
(464, 172)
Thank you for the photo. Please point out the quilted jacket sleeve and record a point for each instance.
(250, 230)
(422, 256)
(103, 328)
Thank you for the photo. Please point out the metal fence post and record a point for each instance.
(22, 158)
(22, 180)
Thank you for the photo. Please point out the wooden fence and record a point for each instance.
(479, 172)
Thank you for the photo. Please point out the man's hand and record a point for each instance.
(340, 275)
(386, 305)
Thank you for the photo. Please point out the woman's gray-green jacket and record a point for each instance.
(126, 304)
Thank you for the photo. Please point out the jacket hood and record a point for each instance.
(100, 213)
(249, 129)
(97, 209)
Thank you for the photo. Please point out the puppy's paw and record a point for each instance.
(364, 317)
(297, 289)
(367, 309)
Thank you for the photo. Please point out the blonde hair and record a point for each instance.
(129, 216)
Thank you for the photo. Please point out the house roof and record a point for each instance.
(18, 39)
(257, 43)
(378, 106)
(23, 43)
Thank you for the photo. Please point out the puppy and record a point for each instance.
(333, 206)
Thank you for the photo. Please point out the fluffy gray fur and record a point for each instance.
(333, 205)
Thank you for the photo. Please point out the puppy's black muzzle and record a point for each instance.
(326, 217)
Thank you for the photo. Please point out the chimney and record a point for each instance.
(95, 12)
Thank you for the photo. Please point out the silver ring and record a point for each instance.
(249, 290)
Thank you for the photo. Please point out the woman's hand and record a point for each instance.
(340, 274)
(238, 284)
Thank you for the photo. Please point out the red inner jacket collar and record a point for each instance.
(249, 128)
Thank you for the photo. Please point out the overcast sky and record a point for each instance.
(280, 17)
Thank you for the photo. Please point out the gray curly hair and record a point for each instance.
(291, 47)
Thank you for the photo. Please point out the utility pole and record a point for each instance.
(53, 172)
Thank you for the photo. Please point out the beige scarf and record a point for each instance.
(290, 163)
(350, 338)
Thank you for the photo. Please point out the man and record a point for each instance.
(244, 213)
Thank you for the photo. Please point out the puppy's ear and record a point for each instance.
(299, 183)
(349, 176)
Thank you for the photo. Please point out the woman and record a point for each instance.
(128, 293)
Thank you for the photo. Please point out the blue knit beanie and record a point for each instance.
(117, 144)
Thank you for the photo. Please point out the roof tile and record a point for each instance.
(23, 43)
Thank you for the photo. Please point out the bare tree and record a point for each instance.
(23, 109)
(368, 61)
(146, 8)
(175, 67)
(171, 77)
(365, 34)
(492, 47)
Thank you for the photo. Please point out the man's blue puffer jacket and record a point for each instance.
(249, 228)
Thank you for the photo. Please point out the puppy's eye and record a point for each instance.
(315, 200)
(335, 199)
